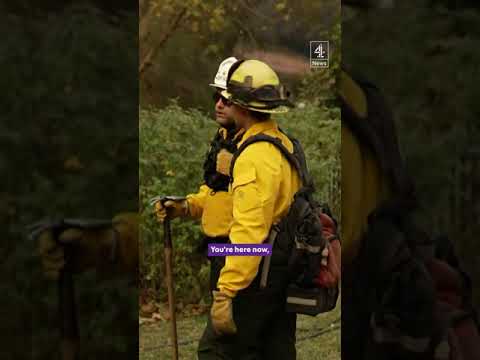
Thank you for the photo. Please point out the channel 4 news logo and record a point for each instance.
(319, 54)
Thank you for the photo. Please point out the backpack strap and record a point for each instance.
(296, 159)
(377, 132)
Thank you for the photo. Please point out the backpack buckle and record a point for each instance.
(274, 230)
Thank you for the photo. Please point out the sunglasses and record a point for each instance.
(217, 96)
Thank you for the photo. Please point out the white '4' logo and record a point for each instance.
(319, 51)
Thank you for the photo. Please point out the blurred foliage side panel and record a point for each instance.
(173, 144)
(69, 149)
(425, 59)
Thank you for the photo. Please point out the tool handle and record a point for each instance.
(68, 316)
(171, 301)
(167, 233)
(168, 249)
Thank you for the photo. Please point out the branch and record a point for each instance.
(145, 16)
(240, 24)
(256, 13)
(147, 60)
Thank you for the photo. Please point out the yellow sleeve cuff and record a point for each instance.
(196, 202)
(228, 292)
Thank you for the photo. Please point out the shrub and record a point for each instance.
(173, 144)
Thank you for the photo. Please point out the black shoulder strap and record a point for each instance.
(217, 139)
(378, 133)
(296, 160)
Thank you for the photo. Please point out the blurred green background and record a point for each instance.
(424, 56)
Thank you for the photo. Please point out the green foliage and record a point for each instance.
(318, 129)
(173, 144)
(319, 85)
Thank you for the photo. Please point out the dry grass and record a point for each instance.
(317, 337)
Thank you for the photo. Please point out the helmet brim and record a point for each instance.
(255, 105)
(226, 94)
(218, 87)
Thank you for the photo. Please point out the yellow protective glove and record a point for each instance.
(110, 249)
(86, 249)
(174, 209)
(224, 158)
(222, 314)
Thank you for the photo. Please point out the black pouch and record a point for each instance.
(311, 301)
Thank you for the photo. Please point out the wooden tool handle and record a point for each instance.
(170, 289)
(68, 317)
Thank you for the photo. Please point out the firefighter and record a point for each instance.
(246, 322)
(212, 203)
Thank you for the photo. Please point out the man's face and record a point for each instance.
(223, 112)
(239, 115)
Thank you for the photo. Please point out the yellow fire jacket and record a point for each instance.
(213, 208)
(263, 187)
(363, 187)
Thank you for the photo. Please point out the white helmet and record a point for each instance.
(220, 80)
